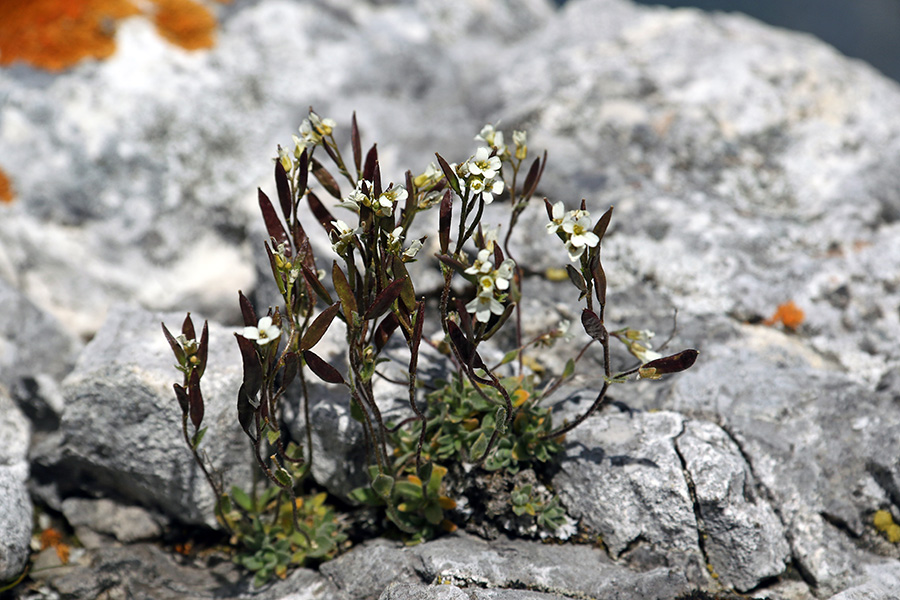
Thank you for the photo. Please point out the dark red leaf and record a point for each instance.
(252, 367)
(202, 350)
(173, 343)
(313, 280)
(195, 400)
(450, 174)
(446, 221)
(603, 223)
(576, 278)
(321, 213)
(322, 369)
(273, 224)
(599, 276)
(247, 311)
(384, 330)
(284, 191)
(182, 396)
(246, 410)
(549, 208)
(594, 326)
(371, 161)
(355, 143)
(670, 364)
(533, 177)
(187, 328)
(302, 173)
(384, 299)
(318, 327)
(326, 179)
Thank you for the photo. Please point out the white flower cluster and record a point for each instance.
(312, 130)
(481, 174)
(576, 227)
(491, 282)
(383, 206)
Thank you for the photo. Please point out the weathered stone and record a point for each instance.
(623, 478)
(882, 582)
(741, 535)
(355, 577)
(826, 471)
(121, 432)
(32, 342)
(568, 570)
(127, 524)
(15, 504)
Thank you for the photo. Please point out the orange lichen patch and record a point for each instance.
(185, 23)
(56, 34)
(788, 314)
(52, 538)
(7, 195)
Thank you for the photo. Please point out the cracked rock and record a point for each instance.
(742, 536)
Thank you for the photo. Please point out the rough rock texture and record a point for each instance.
(32, 342)
(470, 563)
(96, 520)
(121, 429)
(146, 572)
(665, 490)
(15, 503)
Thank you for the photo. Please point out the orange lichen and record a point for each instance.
(7, 195)
(185, 23)
(52, 538)
(56, 34)
(788, 314)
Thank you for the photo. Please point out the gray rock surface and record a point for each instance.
(15, 504)
(94, 521)
(740, 533)
(121, 429)
(147, 572)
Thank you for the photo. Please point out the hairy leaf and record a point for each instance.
(182, 396)
(594, 326)
(384, 330)
(313, 280)
(321, 213)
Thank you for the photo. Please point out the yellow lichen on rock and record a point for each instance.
(884, 523)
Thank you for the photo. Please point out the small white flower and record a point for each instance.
(492, 187)
(520, 140)
(344, 236)
(491, 235)
(559, 212)
(484, 164)
(263, 333)
(430, 177)
(483, 264)
(413, 249)
(504, 274)
(313, 129)
(394, 239)
(483, 305)
(493, 138)
(388, 199)
(577, 224)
